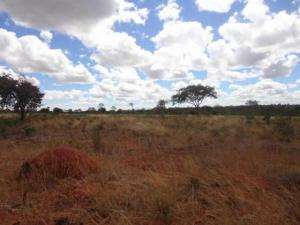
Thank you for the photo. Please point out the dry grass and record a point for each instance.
(153, 171)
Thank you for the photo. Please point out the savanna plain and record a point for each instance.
(149, 170)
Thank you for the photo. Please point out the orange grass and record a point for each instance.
(177, 170)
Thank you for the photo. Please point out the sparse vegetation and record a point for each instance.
(284, 129)
(185, 169)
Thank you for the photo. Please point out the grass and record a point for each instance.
(155, 171)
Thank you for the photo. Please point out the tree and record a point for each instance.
(20, 95)
(91, 110)
(45, 110)
(113, 108)
(194, 94)
(101, 108)
(57, 110)
(252, 103)
(131, 105)
(161, 105)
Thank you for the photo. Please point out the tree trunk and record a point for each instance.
(23, 115)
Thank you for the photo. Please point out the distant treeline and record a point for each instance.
(259, 110)
(255, 110)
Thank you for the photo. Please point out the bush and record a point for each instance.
(284, 129)
(5, 124)
(267, 118)
(29, 131)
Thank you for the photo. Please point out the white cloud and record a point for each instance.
(255, 10)
(124, 85)
(117, 49)
(27, 54)
(59, 95)
(282, 67)
(180, 47)
(170, 11)
(266, 91)
(33, 80)
(220, 6)
(269, 45)
(46, 36)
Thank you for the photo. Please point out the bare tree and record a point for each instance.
(131, 105)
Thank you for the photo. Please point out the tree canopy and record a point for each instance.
(194, 94)
(19, 95)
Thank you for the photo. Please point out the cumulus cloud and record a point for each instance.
(170, 11)
(118, 49)
(214, 5)
(267, 42)
(266, 91)
(27, 54)
(66, 95)
(124, 84)
(180, 47)
(46, 36)
(8, 71)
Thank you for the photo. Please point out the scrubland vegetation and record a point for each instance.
(62, 169)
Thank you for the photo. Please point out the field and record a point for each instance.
(154, 170)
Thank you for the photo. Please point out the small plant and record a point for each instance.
(267, 118)
(163, 211)
(5, 124)
(284, 129)
(96, 137)
(29, 131)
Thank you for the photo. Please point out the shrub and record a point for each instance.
(58, 164)
(267, 118)
(5, 124)
(29, 131)
(284, 129)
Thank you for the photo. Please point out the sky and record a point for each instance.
(82, 53)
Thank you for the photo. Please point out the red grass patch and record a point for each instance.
(59, 163)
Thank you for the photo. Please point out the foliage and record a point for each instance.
(194, 94)
(267, 118)
(20, 95)
(45, 110)
(252, 103)
(29, 131)
(161, 105)
(57, 110)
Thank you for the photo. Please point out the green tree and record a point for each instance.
(194, 94)
(19, 94)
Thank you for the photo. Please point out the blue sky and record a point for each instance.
(117, 51)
